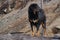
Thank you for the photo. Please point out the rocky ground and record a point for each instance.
(17, 21)
(25, 37)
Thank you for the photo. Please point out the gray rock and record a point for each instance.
(24, 37)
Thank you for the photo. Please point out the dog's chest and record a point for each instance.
(35, 20)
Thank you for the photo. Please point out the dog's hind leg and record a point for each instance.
(44, 27)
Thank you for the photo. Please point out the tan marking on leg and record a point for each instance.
(33, 34)
(42, 24)
(38, 33)
(44, 30)
(45, 34)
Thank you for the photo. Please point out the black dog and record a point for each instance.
(36, 18)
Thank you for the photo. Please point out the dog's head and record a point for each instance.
(34, 7)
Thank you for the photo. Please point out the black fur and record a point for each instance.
(36, 13)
